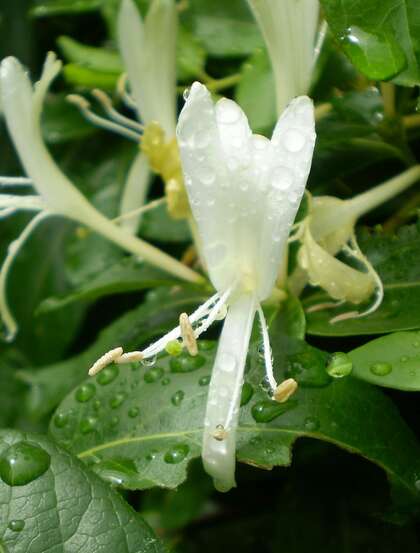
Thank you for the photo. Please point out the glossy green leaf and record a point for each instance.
(391, 361)
(380, 37)
(80, 76)
(257, 82)
(224, 28)
(158, 314)
(62, 506)
(126, 275)
(152, 417)
(395, 259)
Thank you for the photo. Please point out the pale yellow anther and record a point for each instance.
(187, 333)
(111, 356)
(130, 357)
(78, 101)
(285, 390)
(102, 97)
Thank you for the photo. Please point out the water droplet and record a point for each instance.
(149, 362)
(247, 393)
(153, 375)
(380, 369)
(308, 368)
(416, 344)
(294, 140)
(88, 425)
(133, 412)
(311, 424)
(118, 472)
(339, 365)
(404, 359)
(204, 380)
(174, 347)
(97, 404)
(177, 398)
(267, 410)
(185, 363)
(152, 455)
(227, 362)
(227, 111)
(114, 421)
(206, 345)
(206, 175)
(16, 525)
(107, 375)
(85, 392)
(61, 420)
(176, 454)
(117, 400)
(165, 381)
(281, 178)
(186, 94)
(22, 463)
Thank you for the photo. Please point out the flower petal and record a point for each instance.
(135, 192)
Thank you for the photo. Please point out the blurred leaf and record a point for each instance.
(381, 37)
(158, 225)
(396, 260)
(61, 122)
(158, 314)
(190, 56)
(391, 361)
(63, 505)
(153, 417)
(11, 390)
(126, 275)
(44, 8)
(255, 92)
(79, 75)
(224, 28)
(97, 59)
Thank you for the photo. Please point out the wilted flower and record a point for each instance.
(244, 192)
(22, 105)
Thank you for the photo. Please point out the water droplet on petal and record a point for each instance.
(282, 178)
(294, 140)
(23, 462)
(227, 362)
(186, 94)
(227, 111)
(380, 369)
(176, 454)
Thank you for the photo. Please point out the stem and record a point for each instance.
(367, 201)
(224, 396)
(219, 84)
(135, 192)
(140, 210)
(321, 110)
(411, 121)
(388, 97)
(402, 215)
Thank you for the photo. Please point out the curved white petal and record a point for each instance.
(135, 192)
(148, 49)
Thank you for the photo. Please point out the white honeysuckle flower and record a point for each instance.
(22, 104)
(328, 230)
(289, 28)
(244, 192)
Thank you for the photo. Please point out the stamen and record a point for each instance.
(130, 357)
(15, 181)
(5, 212)
(143, 209)
(84, 106)
(106, 104)
(187, 334)
(105, 360)
(284, 390)
(267, 350)
(124, 95)
(214, 313)
(322, 306)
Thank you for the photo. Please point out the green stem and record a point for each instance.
(388, 97)
(220, 84)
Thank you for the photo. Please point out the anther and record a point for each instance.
(130, 357)
(187, 334)
(220, 433)
(106, 359)
(285, 390)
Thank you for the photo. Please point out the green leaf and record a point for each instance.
(61, 122)
(45, 8)
(158, 225)
(190, 56)
(380, 37)
(126, 275)
(153, 417)
(257, 82)
(79, 75)
(11, 390)
(224, 28)
(98, 59)
(62, 506)
(158, 314)
(395, 259)
(391, 361)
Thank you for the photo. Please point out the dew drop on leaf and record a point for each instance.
(176, 454)
(247, 393)
(380, 369)
(22, 463)
(117, 400)
(85, 392)
(153, 374)
(133, 412)
(16, 525)
(339, 365)
(204, 380)
(148, 362)
(311, 424)
(61, 420)
(268, 410)
(88, 425)
(177, 398)
(206, 345)
(185, 363)
(107, 375)
(118, 472)
(165, 381)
